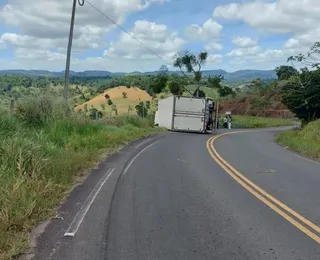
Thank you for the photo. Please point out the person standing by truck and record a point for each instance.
(229, 121)
(225, 122)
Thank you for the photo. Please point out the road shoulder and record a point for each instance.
(46, 237)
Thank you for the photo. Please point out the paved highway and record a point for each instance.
(189, 196)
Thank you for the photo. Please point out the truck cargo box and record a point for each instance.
(179, 113)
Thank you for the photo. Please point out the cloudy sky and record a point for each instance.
(238, 34)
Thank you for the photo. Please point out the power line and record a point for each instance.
(124, 30)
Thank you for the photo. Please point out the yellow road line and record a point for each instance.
(254, 190)
(269, 196)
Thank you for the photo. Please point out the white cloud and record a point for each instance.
(295, 17)
(282, 16)
(43, 35)
(302, 42)
(51, 19)
(213, 46)
(46, 23)
(210, 30)
(124, 55)
(156, 37)
(244, 42)
(214, 59)
(245, 52)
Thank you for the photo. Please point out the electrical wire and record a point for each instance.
(81, 2)
(124, 30)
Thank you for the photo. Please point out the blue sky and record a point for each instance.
(245, 34)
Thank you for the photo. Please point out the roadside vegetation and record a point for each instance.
(305, 141)
(239, 121)
(43, 152)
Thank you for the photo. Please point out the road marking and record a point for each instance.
(142, 143)
(134, 158)
(261, 194)
(269, 196)
(75, 224)
(183, 161)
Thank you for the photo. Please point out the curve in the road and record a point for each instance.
(262, 195)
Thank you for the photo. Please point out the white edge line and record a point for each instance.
(69, 234)
(142, 143)
(86, 206)
(134, 158)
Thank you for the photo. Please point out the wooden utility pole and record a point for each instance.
(67, 71)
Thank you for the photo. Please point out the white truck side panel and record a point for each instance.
(163, 116)
(188, 123)
(186, 104)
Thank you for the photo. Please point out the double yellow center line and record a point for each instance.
(300, 222)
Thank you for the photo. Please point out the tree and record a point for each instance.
(215, 82)
(285, 72)
(103, 106)
(226, 91)
(124, 94)
(188, 62)
(158, 82)
(301, 93)
(175, 87)
(107, 96)
(148, 104)
(141, 109)
(302, 96)
(110, 102)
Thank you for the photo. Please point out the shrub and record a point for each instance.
(37, 111)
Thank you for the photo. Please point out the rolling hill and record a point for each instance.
(133, 97)
(241, 75)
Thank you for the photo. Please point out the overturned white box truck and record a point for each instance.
(191, 114)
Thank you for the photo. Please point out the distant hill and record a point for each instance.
(133, 97)
(240, 75)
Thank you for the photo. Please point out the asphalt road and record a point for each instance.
(167, 198)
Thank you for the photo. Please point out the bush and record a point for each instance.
(37, 111)
(305, 141)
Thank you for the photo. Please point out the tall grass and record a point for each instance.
(257, 122)
(42, 152)
(305, 141)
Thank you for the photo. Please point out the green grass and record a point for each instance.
(256, 122)
(305, 141)
(43, 152)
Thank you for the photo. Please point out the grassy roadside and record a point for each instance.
(305, 141)
(42, 154)
(256, 122)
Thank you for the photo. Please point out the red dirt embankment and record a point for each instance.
(245, 107)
